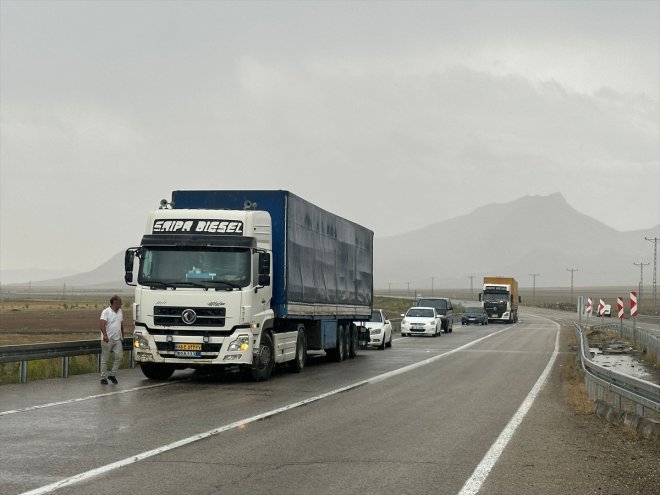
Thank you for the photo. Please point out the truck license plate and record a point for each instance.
(187, 354)
(187, 347)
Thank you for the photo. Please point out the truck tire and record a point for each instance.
(298, 363)
(157, 371)
(338, 353)
(353, 349)
(264, 359)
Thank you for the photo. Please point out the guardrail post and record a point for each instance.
(65, 367)
(23, 370)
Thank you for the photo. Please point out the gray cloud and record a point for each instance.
(381, 112)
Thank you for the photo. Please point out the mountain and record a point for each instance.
(540, 235)
(109, 275)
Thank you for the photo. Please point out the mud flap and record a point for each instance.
(363, 337)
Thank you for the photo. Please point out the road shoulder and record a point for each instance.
(561, 451)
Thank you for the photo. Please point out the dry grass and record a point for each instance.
(573, 377)
(576, 392)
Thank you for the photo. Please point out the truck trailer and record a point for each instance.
(500, 298)
(248, 280)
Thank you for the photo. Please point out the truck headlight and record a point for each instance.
(140, 342)
(242, 343)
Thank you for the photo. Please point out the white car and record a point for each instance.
(380, 329)
(421, 321)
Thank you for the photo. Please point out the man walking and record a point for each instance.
(112, 331)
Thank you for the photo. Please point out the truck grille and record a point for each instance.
(209, 351)
(205, 317)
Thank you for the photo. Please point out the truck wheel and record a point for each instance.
(157, 371)
(353, 348)
(263, 366)
(338, 354)
(347, 341)
(298, 364)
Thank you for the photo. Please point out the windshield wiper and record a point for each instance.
(230, 285)
(157, 284)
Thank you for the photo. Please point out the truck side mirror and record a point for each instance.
(264, 269)
(480, 296)
(129, 261)
(519, 299)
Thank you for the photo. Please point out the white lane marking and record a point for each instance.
(107, 394)
(236, 424)
(473, 484)
(81, 399)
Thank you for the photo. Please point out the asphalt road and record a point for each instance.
(474, 411)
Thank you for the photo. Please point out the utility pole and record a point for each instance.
(641, 266)
(389, 288)
(534, 275)
(471, 277)
(408, 288)
(572, 270)
(432, 285)
(655, 267)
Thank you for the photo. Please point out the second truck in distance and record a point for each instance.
(500, 298)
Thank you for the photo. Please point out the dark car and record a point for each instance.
(443, 307)
(474, 315)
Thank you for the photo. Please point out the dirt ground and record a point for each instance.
(51, 324)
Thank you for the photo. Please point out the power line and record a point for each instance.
(641, 266)
(572, 270)
(534, 275)
(655, 266)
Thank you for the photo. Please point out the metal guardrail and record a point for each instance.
(644, 395)
(640, 337)
(23, 353)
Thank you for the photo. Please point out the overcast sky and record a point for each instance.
(395, 115)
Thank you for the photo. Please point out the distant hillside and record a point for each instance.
(109, 275)
(534, 234)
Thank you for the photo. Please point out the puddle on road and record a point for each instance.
(623, 363)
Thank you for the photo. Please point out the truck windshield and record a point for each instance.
(195, 267)
(496, 297)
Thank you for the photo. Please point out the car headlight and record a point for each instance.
(140, 342)
(404, 322)
(242, 343)
(376, 331)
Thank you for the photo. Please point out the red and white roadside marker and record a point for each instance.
(619, 306)
(633, 304)
(588, 307)
(601, 307)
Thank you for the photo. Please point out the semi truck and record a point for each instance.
(249, 280)
(500, 298)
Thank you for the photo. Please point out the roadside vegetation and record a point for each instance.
(33, 318)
